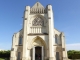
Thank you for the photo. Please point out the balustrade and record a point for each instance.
(37, 30)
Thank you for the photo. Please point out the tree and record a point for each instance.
(73, 54)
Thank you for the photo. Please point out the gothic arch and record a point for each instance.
(39, 41)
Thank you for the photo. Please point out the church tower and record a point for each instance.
(38, 39)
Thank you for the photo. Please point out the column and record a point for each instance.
(42, 53)
(33, 52)
(25, 53)
(51, 33)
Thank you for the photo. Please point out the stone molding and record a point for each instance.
(32, 34)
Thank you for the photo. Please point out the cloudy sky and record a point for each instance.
(66, 19)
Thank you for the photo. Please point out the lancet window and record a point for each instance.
(20, 40)
(56, 39)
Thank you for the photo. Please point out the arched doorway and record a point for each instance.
(38, 53)
(38, 47)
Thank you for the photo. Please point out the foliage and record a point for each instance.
(73, 54)
(4, 54)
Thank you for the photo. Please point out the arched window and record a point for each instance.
(20, 40)
(38, 22)
(56, 39)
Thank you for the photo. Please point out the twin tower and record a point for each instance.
(38, 39)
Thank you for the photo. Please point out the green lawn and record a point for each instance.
(1, 59)
(4, 59)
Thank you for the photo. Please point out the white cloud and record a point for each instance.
(74, 46)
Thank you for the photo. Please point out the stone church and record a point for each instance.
(38, 39)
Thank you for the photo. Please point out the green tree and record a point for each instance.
(5, 54)
(73, 54)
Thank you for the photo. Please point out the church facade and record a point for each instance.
(38, 39)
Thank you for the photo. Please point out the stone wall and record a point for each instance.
(73, 59)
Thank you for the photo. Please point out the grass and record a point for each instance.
(4, 59)
(1, 59)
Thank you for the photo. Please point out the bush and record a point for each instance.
(72, 54)
(5, 54)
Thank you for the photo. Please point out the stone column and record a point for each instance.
(51, 32)
(26, 54)
(64, 52)
(33, 56)
(42, 53)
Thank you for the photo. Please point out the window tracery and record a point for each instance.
(38, 22)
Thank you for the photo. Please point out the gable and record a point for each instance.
(38, 5)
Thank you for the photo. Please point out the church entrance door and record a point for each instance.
(38, 53)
